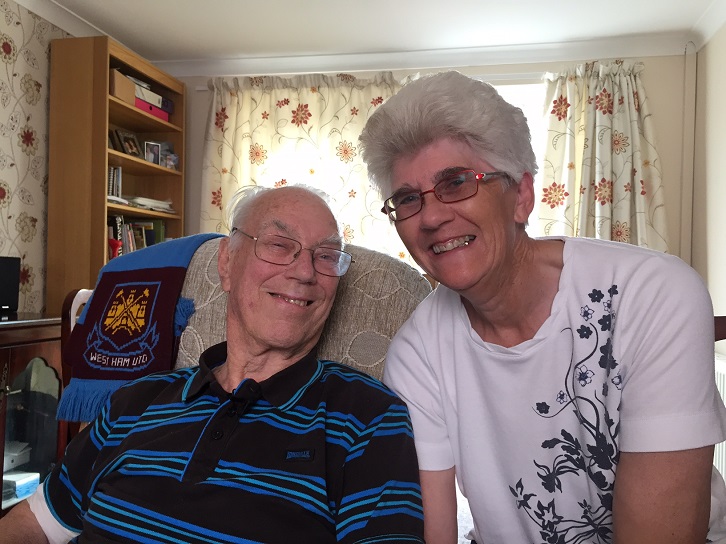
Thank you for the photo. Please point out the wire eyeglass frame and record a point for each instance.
(281, 250)
(453, 188)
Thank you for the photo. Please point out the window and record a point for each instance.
(529, 97)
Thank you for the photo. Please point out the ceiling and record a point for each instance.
(234, 37)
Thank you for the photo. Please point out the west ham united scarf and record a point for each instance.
(130, 326)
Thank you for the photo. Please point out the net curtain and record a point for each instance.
(276, 131)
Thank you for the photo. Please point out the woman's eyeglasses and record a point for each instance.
(459, 186)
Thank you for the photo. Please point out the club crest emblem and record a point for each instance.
(125, 336)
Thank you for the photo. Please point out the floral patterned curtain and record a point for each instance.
(601, 174)
(274, 131)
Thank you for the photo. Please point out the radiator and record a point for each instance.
(719, 455)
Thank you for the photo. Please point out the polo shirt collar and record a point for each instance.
(282, 389)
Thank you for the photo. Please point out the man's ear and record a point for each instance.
(223, 264)
(525, 199)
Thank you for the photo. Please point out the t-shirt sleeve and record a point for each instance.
(381, 495)
(670, 401)
(66, 488)
(54, 531)
(410, 374)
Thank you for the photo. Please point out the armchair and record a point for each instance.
(373, 300)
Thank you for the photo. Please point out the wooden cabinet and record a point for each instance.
(29, 416)
(82, 111)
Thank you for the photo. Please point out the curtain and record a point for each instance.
(275, 131)
(601, 171)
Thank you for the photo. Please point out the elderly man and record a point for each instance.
(261, 442)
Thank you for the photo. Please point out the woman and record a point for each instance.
(567, 383)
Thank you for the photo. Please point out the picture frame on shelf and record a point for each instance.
(171, 161)
(129, 142)
(152, 152)
(168, 158)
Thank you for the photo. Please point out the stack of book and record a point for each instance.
(151, 204)
(113, 188)
(133, 235)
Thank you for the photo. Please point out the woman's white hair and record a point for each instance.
(446, 105)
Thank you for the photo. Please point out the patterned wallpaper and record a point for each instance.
(24, 75)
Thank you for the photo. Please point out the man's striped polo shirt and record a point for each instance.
(317, 453)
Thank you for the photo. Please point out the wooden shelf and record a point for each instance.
(82, 112)
(136, 120)
(138, 166)
(133, 211)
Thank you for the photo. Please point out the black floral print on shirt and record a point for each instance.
(596, 457)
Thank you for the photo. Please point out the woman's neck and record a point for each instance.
(513, 310)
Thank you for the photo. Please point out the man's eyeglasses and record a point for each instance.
(458, 186)
(275, 249)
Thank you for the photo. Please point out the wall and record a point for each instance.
(709, 219)
(198, 104)
(23, 172)
(24, 52)
(666, 107)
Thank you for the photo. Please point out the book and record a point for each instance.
(159, 230)
(127, 239)
(150, 237)
(115, 182)
(139, 237)
(115, 223)
(119, 179)
(145, 230)
(109, 184)
(117, 200)
(151, 204)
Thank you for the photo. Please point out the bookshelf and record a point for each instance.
(82, 112)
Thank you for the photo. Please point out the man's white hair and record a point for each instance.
(242, 201)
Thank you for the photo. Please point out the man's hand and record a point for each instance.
(438, 490)
(662, 497)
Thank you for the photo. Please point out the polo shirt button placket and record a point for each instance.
(217, 434)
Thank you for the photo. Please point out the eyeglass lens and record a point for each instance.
(282, 250)
(459, 186)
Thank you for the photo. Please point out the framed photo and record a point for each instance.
(129, 143)
(168, 158)
(152, 152)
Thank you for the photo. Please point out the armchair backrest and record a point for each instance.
(374, 299)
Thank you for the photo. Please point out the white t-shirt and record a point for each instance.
(625, 361)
